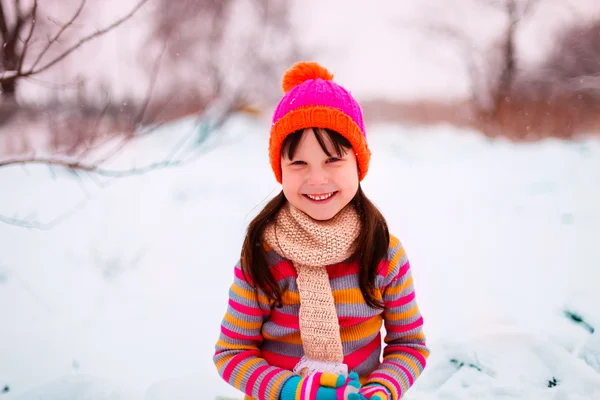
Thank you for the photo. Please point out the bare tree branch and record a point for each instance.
(88, 38)
(127, 138)
(6, 75)
(58, 34)
(34, 71)
(92, 171)
(29, 36)
(81, 166)
(3, 24)
(153, 77)
(95, 167)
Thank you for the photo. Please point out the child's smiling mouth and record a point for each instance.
(319, 198)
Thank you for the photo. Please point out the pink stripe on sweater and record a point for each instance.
(241, 357)
(283, 270)
(402, 300)
(255, 312)
(403, 369)
(404, 328)
(265, 383)
(404, 349)
(383, 268)
(373, 389)
(404, 269)
(285, 320)
(343, 269)
(239, 336)
(387, 379)
(255, 375)
(369, 390)
(356, 358)
(346, 322)
(239, 274)
(281, 361)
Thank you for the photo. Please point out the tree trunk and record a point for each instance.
(9, 89)
(507, 76)
(508, 73)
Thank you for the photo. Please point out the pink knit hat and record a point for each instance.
(312, 99)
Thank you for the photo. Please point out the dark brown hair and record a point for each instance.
(372, 243)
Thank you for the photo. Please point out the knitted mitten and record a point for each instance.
(372, 392)
(320, 386)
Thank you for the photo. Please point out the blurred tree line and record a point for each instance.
(192, 58)
(558, 97)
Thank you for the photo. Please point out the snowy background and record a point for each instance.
(123, 299)
(122, 296)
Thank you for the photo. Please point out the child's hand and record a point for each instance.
(320, 386)
(372, 392)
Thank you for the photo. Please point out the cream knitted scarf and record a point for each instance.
(311, 245)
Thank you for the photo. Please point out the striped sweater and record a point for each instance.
(259, 346)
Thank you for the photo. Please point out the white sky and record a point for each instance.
(375, 49)
(384, 49)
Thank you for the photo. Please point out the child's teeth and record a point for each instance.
(326, 196)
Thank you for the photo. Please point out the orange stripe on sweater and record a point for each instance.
(230, 346)
(223, 361)
(242, 372)
(396, 258)
(248, 295)
(351, 296)
(241, 323)
(361, 331)
(399, 379)
(292, 338)
(290, 297)
(414, 368)
(403, 315)
(394, 290)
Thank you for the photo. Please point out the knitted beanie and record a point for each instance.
(312, 100)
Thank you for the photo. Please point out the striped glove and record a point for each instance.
(320, 386)
(372, 392)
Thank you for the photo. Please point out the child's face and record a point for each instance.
(317, 184)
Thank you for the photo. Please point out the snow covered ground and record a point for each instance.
(123, 299)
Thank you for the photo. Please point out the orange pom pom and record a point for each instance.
(303, 71)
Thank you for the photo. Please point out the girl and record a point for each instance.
(319, 273)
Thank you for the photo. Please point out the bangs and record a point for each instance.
(340, 144)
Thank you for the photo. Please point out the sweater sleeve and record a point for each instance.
(237, 354)
(405, 352)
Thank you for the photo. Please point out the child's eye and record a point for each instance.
(333, 159)
(298, 162)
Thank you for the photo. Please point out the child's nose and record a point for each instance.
(317, 177)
